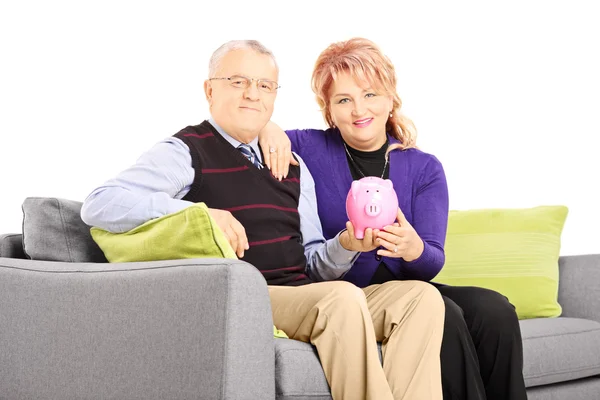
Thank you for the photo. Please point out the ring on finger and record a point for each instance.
(395, 249)
(272, 150)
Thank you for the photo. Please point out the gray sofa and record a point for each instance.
(202, 329)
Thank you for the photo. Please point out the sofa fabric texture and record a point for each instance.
(53, 231)
(161, 330)
(560, 349)
(202, 328)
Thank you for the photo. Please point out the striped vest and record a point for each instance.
(267, 209)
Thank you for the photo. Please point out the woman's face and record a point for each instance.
(359, 112)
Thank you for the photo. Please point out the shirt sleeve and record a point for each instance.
(151, 188)
(325, 260)
(430, 220)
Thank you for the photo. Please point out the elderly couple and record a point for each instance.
(328, 288)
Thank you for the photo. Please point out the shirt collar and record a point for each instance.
(234, 142)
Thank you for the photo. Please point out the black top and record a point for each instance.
(370, 163)
(367, 163)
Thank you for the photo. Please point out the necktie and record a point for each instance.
(250, 154)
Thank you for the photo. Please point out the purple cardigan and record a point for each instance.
(419, 181)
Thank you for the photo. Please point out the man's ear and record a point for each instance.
(208, 91)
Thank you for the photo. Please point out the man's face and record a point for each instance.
(242, 111)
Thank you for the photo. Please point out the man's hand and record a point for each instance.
(277, 150)
(350, 242)
(233, 230)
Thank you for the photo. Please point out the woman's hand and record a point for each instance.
(277, 150)
(350, 242)
(400, 240)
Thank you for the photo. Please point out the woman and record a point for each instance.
(355, 85)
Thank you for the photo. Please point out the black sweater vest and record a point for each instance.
(267, 209)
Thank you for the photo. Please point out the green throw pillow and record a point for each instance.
(189, 233)
(512, 251)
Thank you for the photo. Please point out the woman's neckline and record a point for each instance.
(372, 155)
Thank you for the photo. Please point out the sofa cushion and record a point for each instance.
(53, 231)
(580, 389)
(298, 372)
(512, 251)
(559, 349)
(555, 350)
(188, 233)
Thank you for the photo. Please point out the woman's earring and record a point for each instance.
(391, 115)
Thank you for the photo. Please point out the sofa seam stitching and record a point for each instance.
(279, 353)
(65, 229)
(23, 230)
(105, 270)
(225, 353)
(563, 371)
(562, 334)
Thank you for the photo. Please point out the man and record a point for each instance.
(273, 224)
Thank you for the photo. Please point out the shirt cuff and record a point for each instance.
(175, 205)
(427, 264)
(338, 254)
(424, 258)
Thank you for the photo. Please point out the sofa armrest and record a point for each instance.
(11, 245)
(180, 329)
(579, 286)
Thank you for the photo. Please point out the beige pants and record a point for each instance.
(344, 322)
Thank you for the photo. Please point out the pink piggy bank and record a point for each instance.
(371, 203)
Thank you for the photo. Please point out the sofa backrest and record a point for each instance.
(579, 286)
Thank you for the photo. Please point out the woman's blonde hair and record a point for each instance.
(366, 62)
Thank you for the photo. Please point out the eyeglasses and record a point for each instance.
(243, 82)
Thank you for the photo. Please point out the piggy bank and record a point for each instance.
(371, 203)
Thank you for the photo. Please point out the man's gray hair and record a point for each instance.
(218, 55)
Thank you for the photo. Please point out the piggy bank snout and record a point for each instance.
(372, 209)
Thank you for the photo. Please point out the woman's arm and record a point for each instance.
(277, 150)
(430, 221)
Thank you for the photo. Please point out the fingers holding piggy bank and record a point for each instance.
(371, 203)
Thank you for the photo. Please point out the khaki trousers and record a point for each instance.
(344, 322)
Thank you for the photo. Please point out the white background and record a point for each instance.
(506, 95)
